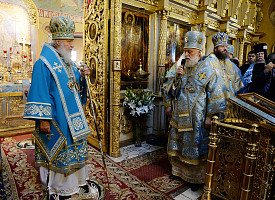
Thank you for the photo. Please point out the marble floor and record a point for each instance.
(131, 151)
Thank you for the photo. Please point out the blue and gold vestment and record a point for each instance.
(52, 98)
(229, 75)
(203, 93)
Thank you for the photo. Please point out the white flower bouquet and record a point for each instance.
(138, 102)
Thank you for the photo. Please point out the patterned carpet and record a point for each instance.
(143, 177)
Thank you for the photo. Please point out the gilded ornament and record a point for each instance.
(192, 89)
(70, 84)
(186, 39)
(92, 31)
(200, 40)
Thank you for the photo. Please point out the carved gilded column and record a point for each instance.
(203, 28)
(159, 110)
(250, 158)
(115, 89)
(211, 159)
(241, 48)
(162, 50)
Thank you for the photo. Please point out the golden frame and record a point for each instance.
(92, 31)
(93, 70)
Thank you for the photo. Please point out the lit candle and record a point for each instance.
(5, 54)
(30, 62)
(10, 49)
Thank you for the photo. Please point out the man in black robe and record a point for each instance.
(262, 76)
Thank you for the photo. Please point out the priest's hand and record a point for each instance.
(207, 122)
(45, 126)
(180, 70)
(84, 71)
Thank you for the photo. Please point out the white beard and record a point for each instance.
(64, 53)
(192, 61)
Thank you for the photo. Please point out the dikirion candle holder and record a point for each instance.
(5, 54)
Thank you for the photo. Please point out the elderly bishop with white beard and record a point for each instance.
(54, 102)
(197, 96)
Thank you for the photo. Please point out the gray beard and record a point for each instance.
(65, 54)
(191, 62)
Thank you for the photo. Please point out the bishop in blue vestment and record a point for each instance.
(54, 102)
(198, 94)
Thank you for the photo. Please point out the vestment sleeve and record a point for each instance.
(38, 104)
(216, 102)
(240, 86)
(170, 76)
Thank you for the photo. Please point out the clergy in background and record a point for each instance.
(229, 74)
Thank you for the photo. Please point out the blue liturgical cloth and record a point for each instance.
(203, 93)
(50, 98)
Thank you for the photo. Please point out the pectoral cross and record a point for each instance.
(49, 135)
(58, 67)
(202, 76)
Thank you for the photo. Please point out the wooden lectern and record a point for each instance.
(241, 164)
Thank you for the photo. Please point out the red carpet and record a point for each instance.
(146, 178)
(154, 169)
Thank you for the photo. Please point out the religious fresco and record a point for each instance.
(14, 29)
(271, 13)
(175, 41)
(134, 43)
(73, 7)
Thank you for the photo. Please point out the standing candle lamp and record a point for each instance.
(140, 74)
(11, 57)
(30, 68)
(5, 63)
(5, 54)
(24, 74)
(5, 58)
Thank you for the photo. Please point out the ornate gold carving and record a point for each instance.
(213, 24)
(234, 32)
(241, 48)
(211, 159)
(162, 39)
(150, 2)
(17, 106)
(260, 16)
(33, 12)
(115, 95)
(95, 23)
(92, 31)
(188, 15)
(249, 38)
(93, 70)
